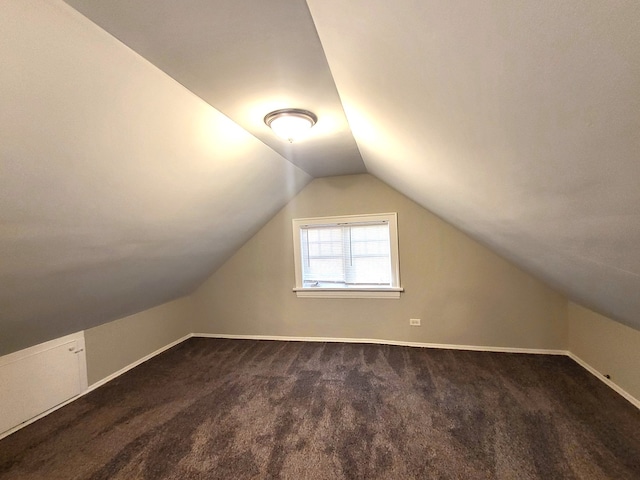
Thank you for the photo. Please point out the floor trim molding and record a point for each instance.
(107, 379)
(446, 346)
(478, 348)
(630, 398)
(536, 351)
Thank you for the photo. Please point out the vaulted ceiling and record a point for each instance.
(133, 166)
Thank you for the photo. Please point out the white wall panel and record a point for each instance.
(38, 378)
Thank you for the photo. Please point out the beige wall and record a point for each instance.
(608, 346)
(463, 293)
(116, 344)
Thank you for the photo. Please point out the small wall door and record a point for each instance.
(37, 379)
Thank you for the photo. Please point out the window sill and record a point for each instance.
(392, 293)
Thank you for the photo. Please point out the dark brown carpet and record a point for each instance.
(234, 409)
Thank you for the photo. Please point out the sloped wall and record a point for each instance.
(463, 293)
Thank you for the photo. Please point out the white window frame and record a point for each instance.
(392, 292)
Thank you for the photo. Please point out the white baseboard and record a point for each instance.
(99, 383)
(446, 346)
(627, 396)
(536, 351)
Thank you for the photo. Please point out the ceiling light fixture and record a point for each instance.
(290, 123)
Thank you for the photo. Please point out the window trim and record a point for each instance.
(351, 292)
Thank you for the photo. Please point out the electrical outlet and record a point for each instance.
(414, 322)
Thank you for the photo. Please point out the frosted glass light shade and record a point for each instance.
(290, 123)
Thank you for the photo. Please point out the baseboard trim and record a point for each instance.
(445, 346)
(614, 386)
(478, 348)
(123, 370)
(536, 351)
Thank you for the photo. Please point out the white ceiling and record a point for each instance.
(516, 121)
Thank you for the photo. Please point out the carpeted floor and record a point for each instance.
(235, 409)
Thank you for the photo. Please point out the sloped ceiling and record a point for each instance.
(246, 59)
(119, 188)
(517, 122)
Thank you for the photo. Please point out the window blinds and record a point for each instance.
(346, 255)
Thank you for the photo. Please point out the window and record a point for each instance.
(350, 256)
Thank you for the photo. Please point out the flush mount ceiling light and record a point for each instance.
(290, 123)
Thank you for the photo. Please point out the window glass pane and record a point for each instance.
(346, 255)
(325, 270)
(371, 271)
(375, 247)
(322, 253)
(370, 262)
(370, 232)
